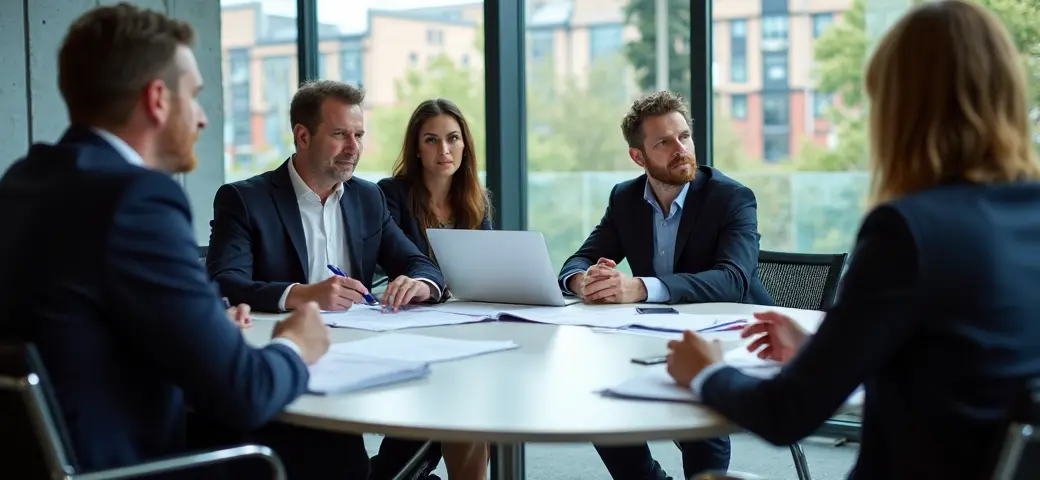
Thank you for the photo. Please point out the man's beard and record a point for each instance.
(666, 176)
(177, 145)
(335, 171)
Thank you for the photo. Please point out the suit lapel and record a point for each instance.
(289, 211)
(643, 243)
(349, 208)
(692, 208)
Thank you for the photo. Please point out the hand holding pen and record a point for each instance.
(354, 285)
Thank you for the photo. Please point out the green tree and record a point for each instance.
(642, 53)
(841, 55)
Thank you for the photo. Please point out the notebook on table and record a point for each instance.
(339, 372)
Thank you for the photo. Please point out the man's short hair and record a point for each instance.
(660, 103)
(111, 53)
(306, 103)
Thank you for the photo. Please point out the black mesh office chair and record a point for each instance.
(805, 281)
(37, 442)
(1019, 457)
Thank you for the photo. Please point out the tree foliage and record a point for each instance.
(841, 55)
(642, 53)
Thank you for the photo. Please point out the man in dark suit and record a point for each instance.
(274, 235)
(690, 235)
(99, 265)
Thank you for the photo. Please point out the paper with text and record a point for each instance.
(420, 348)
(373, 319)
(654, 382)
(338, 372)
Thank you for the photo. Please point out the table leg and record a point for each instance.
(507, 461)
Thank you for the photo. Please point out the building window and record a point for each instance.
(774, 110)
(738, 69)
(464, 60)
(738, 106)
(541, 44)
(738, 28)
(350, 67)
(821, 103)
(820, 22)
(238, 66)
(323, 69)
(774, 26)
(435, 37)
(605, 40)
(413, 58)
(775, 67)
(775, 147)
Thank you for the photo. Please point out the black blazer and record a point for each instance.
(99, 268)
(396, 192)
(257, 246)
(716, 249)
(937, 319)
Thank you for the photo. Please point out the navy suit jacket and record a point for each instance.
(937, 319)
(716, 249)
(396, 191)
(99, 268)
(257, 245)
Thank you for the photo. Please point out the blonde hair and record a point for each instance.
(948, 102)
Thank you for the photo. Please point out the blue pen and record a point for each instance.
(368, 297)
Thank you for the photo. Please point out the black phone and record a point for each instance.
(650, 360)
(656, 310)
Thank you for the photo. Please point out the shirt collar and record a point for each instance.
(302, 190)
(677, 204)
(124, 149)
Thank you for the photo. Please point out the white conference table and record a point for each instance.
(544, 391)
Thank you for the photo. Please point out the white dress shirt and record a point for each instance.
(325, 234)
(134, 158)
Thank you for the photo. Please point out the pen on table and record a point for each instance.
(368, 296)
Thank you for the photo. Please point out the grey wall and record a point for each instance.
(31, 108)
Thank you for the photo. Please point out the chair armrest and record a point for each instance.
(726, 476)
(194, 460)
(415, 464)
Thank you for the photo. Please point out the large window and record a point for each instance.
(258, 43)
(404, 53)
(575, 151)
(434, 49)
(806, 158)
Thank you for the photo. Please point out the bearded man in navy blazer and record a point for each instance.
(277, 236)
(690, 235)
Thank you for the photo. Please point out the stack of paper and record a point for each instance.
(338, 372)
(373, 319)
(420, 348)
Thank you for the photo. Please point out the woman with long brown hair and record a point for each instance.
(435, 185)
(937, 314)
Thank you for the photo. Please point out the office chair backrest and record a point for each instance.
(1019, 457)
(34, 433)
(801, 280)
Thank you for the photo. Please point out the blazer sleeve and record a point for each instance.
(735, 260)
(167, 309)
(399, 256)
(603, 242)
(876, 315)
(230, 258)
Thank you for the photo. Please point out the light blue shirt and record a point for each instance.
(666, 229)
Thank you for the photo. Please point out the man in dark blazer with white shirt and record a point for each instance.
(690, 235)
(99, 266)
(275, 235)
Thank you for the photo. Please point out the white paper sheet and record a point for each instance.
(338, 372)
(654, 382)
(420, 348)
(363, 317)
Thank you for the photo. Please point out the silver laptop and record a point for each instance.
(497, 266)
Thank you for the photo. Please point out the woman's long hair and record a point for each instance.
(467, 198)
(948, 102)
